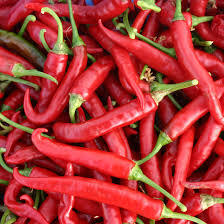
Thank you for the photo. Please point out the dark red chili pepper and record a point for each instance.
(217, 25)
(24, 155)
(119, 117)
(147, 140)
(127, 71)
(182, 37)
(185, 146)
(219, 147)
(7, 2)
(13, 100)
(151, 27)
(206, 142)
(48, 209)
(16, 14)
(85, 85)
(105, 10)
(61, 97)
(151, 56)
(198, 8)
(219, 54)
(65, 212)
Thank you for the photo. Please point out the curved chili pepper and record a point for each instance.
(198, 8)
(207, 140)
(16, 13)
(91, 44)
(88, 82)
(60, 98)
(182, 37)
(193, 111)
(151, 56)
(24, 155)
(105, 10)
(122, 59)
(147, 140)
(140, 20)
(13, 101)
(185, 146)
(65, 212)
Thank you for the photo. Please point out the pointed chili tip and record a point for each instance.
(37, 133)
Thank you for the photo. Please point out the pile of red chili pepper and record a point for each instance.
(111, 112)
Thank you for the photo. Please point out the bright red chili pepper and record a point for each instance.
(127, 72)
(105, 10)
(219, 147)
(189, 62)
(151, 56)
(60, 98)
(140, 20)
(16, 13)
(147, 140)
(185, 146)
(67, 202)
(24, 155)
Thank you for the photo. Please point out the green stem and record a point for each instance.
(139, 221)
(60, 46)
(4, 216)
(7, 128)
(19, 126)
(90, 57)
(137, 174)
(42, 196)
(202, 43)
(169, 51)
(119, 26)
(4, 85)
(210, 49)
(18, 70)
(162, 140)
(51, 2)
(4, 182)
(208, 201)
(43, 41)
(159, 91)
(131, 31)
(37, 199)
(75, 102)
(142, 76)
(25, 23)
(12, 220)
(5, 108)
(152, 221)
(197, 20)
(167, 213)
(76, 39)
(172, 99)
(178, 13)
(148, 4)
(4, 77)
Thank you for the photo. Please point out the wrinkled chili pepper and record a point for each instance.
(105, 10)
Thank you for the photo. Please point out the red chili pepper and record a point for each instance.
(151, 27)
(182, 37)
(189, 114)
(16, 13)
(105, 10)
(140, 20)
(219, 147)
(24, 155)
(219, 3)
(65, 212)
(151, 56)
(119, 117)
(60, 98)
(206, 142)
(147, 140)
(4, 3)
(122, 59)
(85, 85)
(198, 8)
(13, 100)
(185, 146)
(217, 25)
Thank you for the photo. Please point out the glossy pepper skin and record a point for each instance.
(100, 191)
(105, 10)
(119, 117)
(60, 98)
